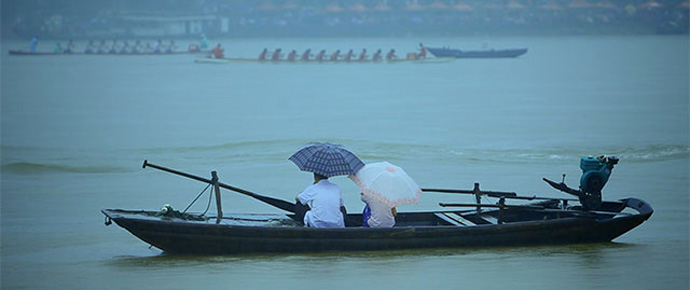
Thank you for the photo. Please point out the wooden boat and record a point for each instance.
(231, 60)
(490, 53)
(544, 221)
(39, 53)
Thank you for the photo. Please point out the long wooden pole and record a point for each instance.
(489, 193)
(488, 205)
(279, 203)
(219, 204)
(497, 194)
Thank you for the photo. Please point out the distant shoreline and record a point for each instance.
(416, 33)
(305, 19)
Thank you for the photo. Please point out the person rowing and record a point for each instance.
(263, 54)
(68, 48)
(377, 56)
(135, 47)
(204, 42)
(171, 47)
(391, 55)
(218, 51)
(157, 46)
(306, 55)
(58, 48)
(422, 53)
(113, 47)
(124, 49)
(102, 48)
(276, 55)
(348, 55)
(34, 44)
(335, 55)
(320, 56)
(292, 56)
(89, 47)
(363, 55)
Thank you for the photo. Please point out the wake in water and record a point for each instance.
(38, 168)
(30, 161)
(628, 154)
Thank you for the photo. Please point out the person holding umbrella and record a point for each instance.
(325, 199)
(384, 187)
(377, 214)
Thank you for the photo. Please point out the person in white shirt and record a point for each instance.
(377, 214)
(325, 201)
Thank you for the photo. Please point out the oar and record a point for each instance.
(489, 193)
(279, 203)
(496, 194)
(489, 205)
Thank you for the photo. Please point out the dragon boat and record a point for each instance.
(232, 60)
(46, 53)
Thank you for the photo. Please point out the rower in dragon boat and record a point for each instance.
(277, 54)
(306, 55)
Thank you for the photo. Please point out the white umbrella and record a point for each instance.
(387, 183)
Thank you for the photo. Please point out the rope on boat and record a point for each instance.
(197, 197)
(208, 205)
(168, 212)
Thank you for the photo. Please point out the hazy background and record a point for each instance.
(110, 19)
(600, 77)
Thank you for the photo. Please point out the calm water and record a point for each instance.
(75, 130)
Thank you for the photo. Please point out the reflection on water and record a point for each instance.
(588, 255)
(522, 266)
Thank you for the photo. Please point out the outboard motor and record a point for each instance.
(595, 174)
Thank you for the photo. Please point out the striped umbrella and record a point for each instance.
(326, 159)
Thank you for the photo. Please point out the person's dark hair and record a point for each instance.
(319, 176)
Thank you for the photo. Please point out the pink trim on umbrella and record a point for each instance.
(382, 197)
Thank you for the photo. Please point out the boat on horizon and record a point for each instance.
(229, 60)
(486, 53)
(45, 53)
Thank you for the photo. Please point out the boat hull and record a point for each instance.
(28, 53)
(285, 61)
(285, 236)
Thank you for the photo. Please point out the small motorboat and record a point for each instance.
(488, 53)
